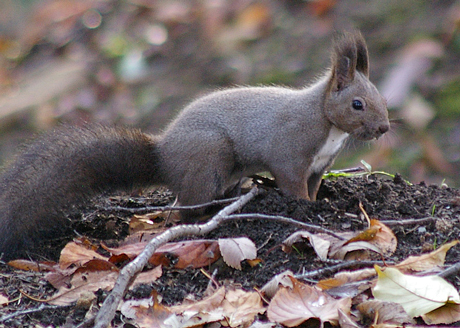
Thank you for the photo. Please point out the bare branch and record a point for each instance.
(450, 271)
(108, 308)
(308, 226)
(342, 265)
(40, 308)
(408, 221)
(170, 207)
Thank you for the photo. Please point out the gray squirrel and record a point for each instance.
(216, 140)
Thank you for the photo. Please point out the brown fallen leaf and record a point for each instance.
(319, 244)
(380, 235)
(191, 253)
(345, 320)
(427, 261)
(3, 300)
(291, 307)
(208, 310)
(236, 250)
(147, 277)
(365, 235)
(384, 312)
(77, 254)
(345, 277)
(84, 282)
(377, 239)
(384, 239)
(146, 222)
(241, 307)
(447, 314)
(27, 265)
(358, 250)
(281, 279)
(147, 312)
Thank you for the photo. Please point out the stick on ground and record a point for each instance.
(108, 308)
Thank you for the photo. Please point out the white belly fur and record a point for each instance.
(330, 148)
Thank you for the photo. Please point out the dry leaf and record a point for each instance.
(205, 311)
(446, 314)
(241, 307)
(345, 277)
(365, 235)
(146, 222)
(384, 238)
(231, 307)
(147, 313)
(191, 253)
(378, 235)
(271, 287)
(147, 277)
(3, 300)
(351, 289)
(76, 254)
(354, 251)
(84, 282)
(291, 307)
(27, 265)
(235, 250)
(384, 312)
(254, 263)
(205, 305)
(319, 244)
(427, 261)
(378, 239)
(345, 321)
(417, 295)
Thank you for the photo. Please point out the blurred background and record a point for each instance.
(138, 62)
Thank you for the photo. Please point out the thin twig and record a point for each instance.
(256, 216)
(450, 271)
(340, 266)
(127, 274)
(170, 207)
(408, 221)
(40, 308)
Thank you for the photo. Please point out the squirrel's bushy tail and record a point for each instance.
(66, 168)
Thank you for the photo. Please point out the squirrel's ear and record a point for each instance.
(344, 59)
(362, 60)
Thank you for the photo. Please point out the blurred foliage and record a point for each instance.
(138, 62)
(448, 100)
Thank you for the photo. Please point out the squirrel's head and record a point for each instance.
(352, 102)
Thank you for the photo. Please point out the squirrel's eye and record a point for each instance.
(357, 104)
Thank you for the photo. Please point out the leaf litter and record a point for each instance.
(421, 248)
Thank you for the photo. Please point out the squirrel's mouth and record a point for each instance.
(367, 133)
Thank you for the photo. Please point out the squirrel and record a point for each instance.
(295, 134)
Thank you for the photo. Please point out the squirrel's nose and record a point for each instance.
(384, 128)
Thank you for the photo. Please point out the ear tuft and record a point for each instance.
(349, 55)
(362, 59)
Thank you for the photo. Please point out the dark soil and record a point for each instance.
(389, 200)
